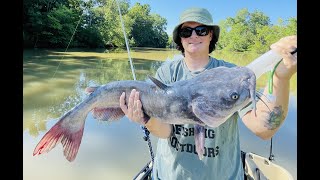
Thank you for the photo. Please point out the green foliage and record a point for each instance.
(97, 23)
(147, 30)
(60, 25)
(170, 43)
(109, 22)
(239, 38)
(48, 23)
(252, 32)
(89, 37)
(160, 37)
(258, 20)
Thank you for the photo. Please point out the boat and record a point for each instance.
(256, 167)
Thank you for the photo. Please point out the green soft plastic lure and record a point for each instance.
(270, 82)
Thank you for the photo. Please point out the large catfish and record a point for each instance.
(208, 99)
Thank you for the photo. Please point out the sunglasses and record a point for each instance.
(200, 31)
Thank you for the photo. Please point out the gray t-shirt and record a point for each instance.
(176, 157)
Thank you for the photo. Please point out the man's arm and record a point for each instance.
(158, 128)
(271, 114)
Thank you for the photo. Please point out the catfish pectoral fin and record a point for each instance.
(202, 109)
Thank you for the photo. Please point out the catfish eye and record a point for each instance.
(234, 96)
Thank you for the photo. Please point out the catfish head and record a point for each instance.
(220, 92)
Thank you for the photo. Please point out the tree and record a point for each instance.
(252, 31)
(147, 30)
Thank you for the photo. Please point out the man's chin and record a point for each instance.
(194, 49)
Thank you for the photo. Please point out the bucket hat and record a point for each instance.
(199, 15)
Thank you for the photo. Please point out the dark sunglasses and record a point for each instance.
(200, 31)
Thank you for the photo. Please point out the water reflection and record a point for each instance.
(53, 83)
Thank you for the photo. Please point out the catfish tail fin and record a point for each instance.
(69, 137)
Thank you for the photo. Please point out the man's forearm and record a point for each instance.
(279, 107)
(270, 113)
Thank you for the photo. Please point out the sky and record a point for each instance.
(221, 9)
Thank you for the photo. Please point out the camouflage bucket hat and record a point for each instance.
(199, 15)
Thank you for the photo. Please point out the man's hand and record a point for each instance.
(284, 47)
(134, 109)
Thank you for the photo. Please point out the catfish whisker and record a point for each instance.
(259, 97)
(261, 94)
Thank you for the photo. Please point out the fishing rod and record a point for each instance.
(146, 136)
(126, 40)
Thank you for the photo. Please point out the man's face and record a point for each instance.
(196, 43)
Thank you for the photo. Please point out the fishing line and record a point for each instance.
(145, 130)
(67, 46)
(270, 89)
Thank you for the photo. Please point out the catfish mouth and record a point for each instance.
(252, 92)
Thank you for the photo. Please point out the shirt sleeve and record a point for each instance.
(163, 74)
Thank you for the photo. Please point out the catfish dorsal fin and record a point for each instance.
(91, 89)
(158, 83)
